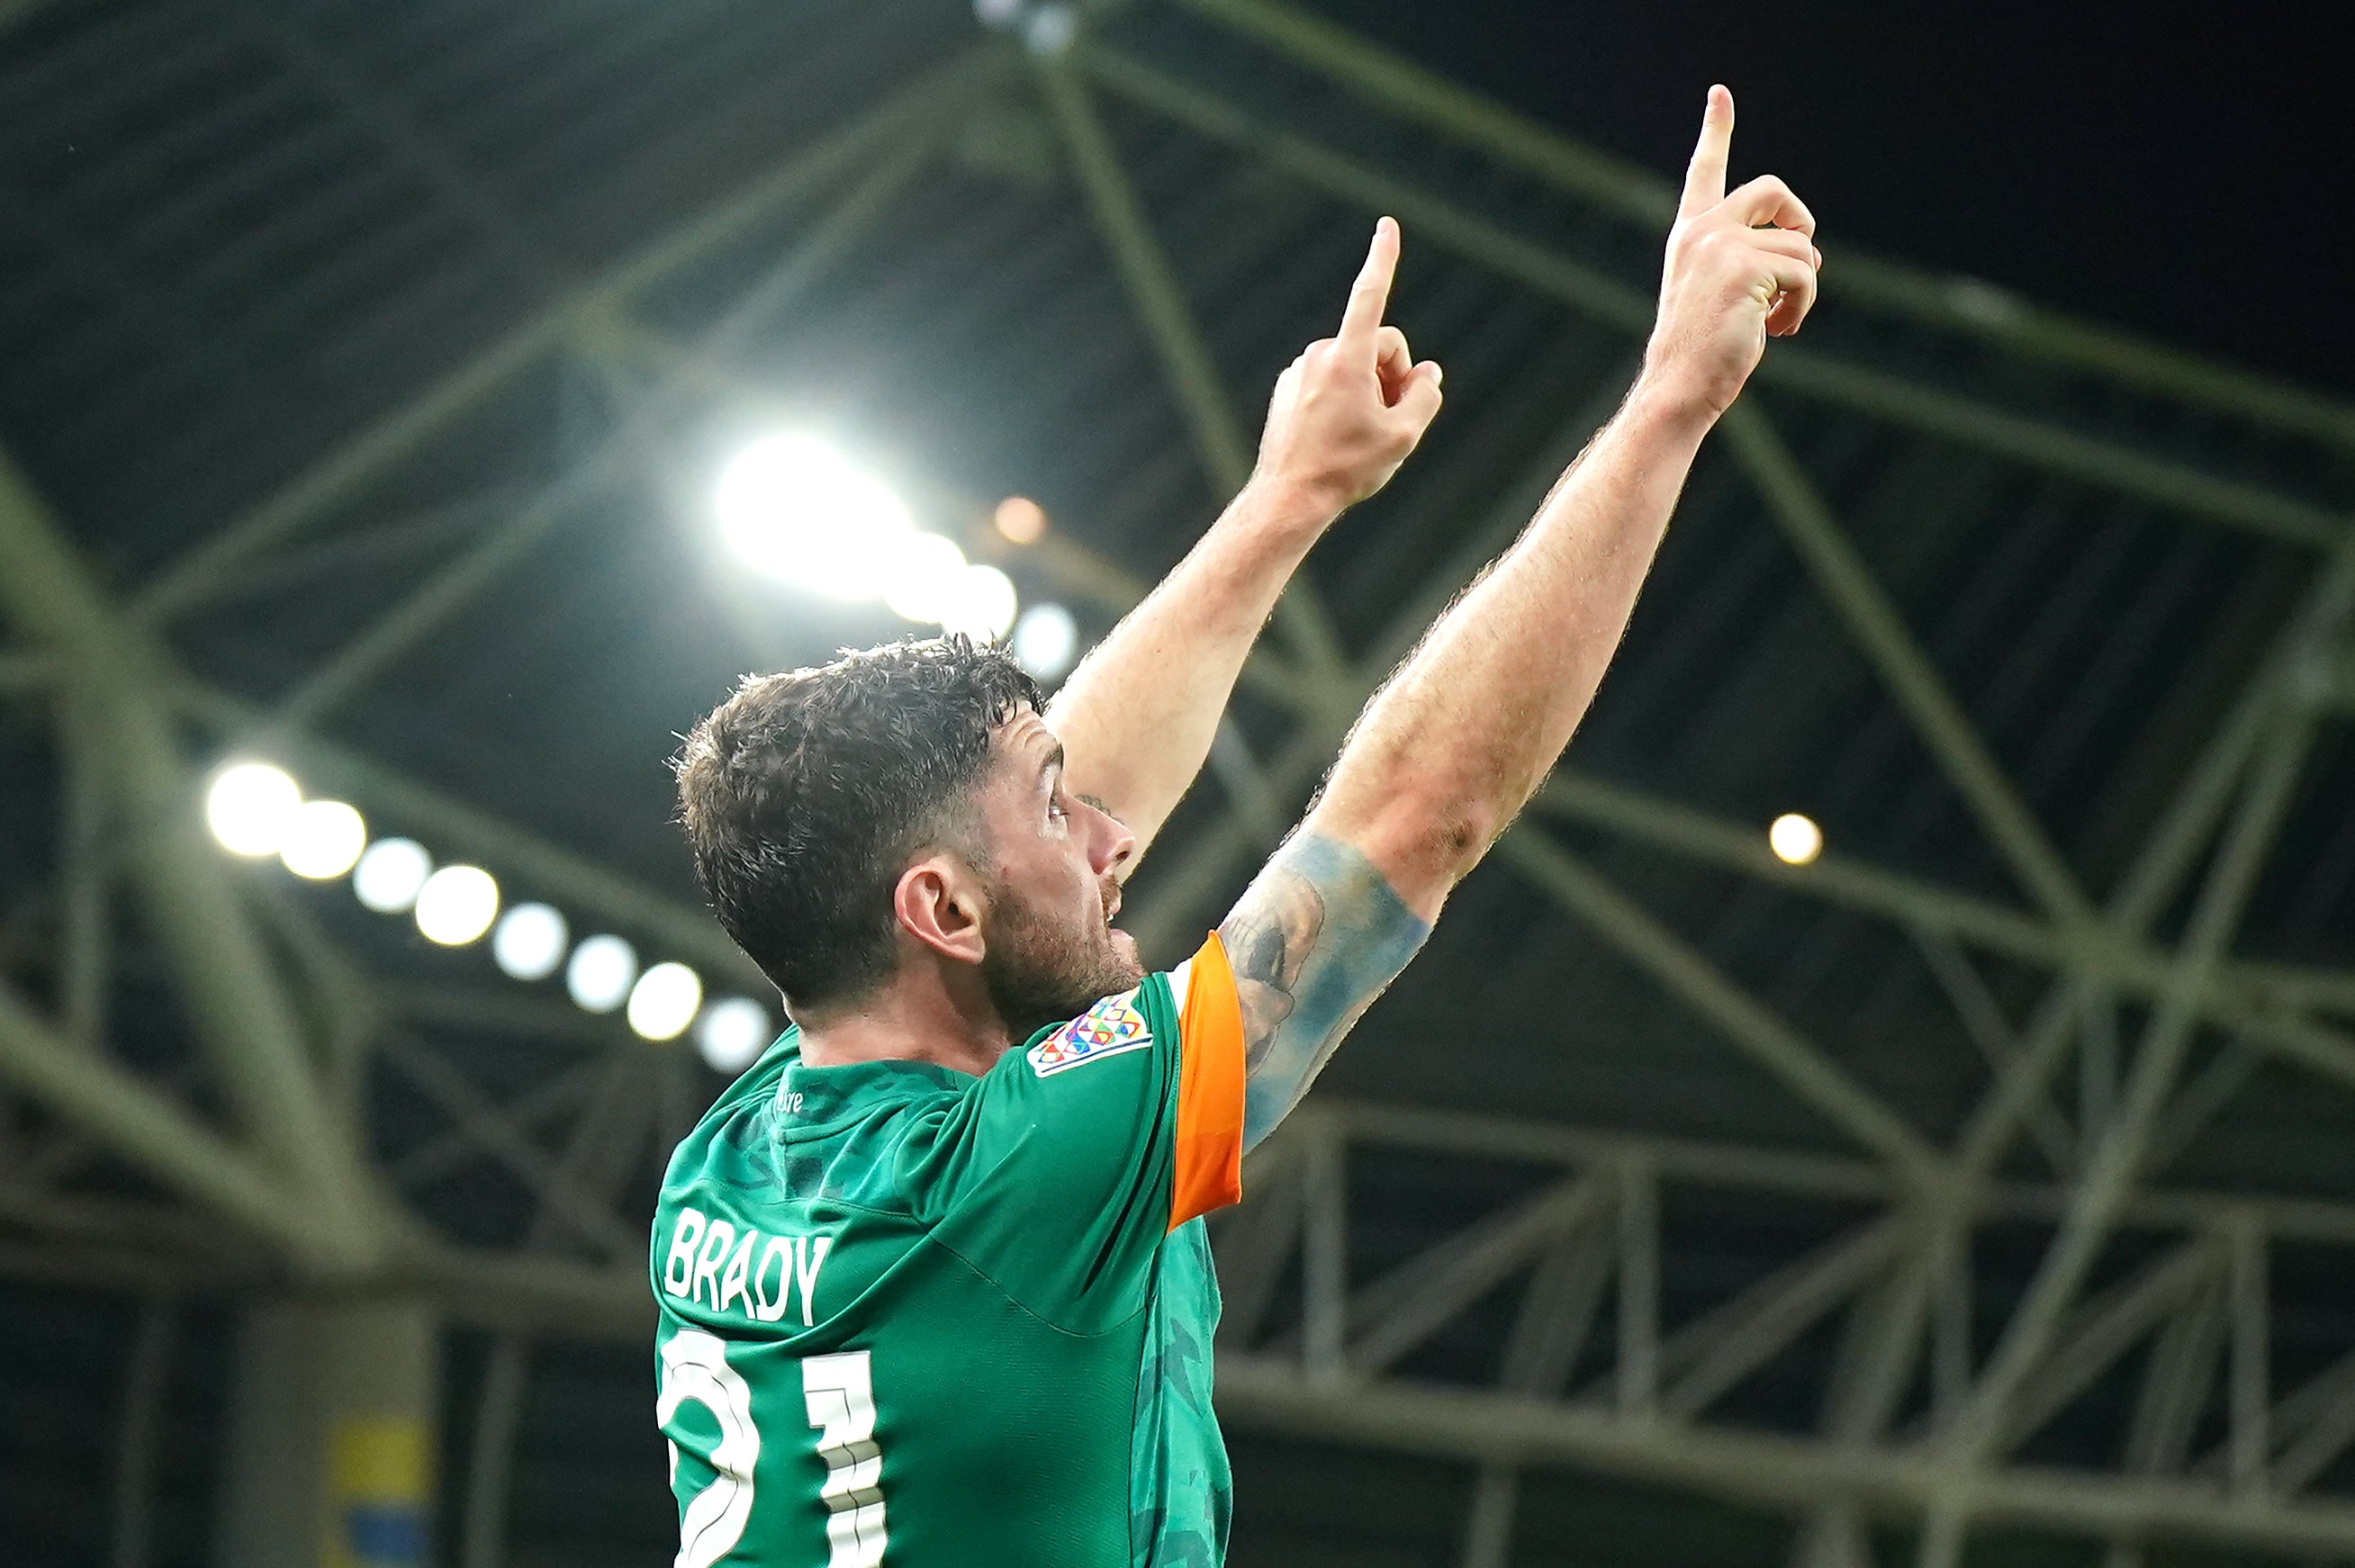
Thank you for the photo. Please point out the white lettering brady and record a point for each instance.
(709, 1261)
(817, 1247)
(732, 1283)
(680, 1263)
(717, 1239)
(781, 1248)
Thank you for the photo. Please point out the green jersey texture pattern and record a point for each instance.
(915, 1318)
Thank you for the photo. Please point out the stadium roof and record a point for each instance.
(368, 368)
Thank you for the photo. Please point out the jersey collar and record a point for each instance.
(815, 1099)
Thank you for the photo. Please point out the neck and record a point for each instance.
(911, 1018)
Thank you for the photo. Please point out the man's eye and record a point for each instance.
(1057, 808)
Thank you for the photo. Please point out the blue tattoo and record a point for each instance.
(1314, 940)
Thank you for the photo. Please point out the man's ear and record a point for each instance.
(937, 901)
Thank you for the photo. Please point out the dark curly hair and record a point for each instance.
(805, 795)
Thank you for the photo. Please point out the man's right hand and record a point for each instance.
(1739, 268)
(1349, 410)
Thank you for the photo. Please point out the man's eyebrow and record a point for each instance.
(1054, 760)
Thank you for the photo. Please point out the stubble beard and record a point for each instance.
(1040, 974)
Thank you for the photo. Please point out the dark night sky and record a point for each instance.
(2182, 173)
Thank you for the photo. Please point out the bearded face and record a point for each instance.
(1047, 964)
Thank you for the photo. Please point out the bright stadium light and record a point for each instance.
(323, 839)
(391, 874)
(664, 1001)
(731, 1033)
(981, 604)
(456, 905)
(600, 973)
(529, 942)
(794, 508)
(1046, 640)
(924, 578)
(250, 806)
(1796, 839)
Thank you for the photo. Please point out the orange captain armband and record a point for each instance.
(1209, 1088)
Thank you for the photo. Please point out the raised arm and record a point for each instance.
(1137, 716)
(1453, 746)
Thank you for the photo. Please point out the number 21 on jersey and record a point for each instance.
(838, 1396)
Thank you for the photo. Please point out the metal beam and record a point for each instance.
(2156, 874)
(1160, 307)
(234, 993)
(1215, 862)
(1718, 1350)
(343, 474)
(2164, 483)
(2117, 1159)
(1982, 1019)
(1643, 198)
(1752, 1468)
(155, 1133)
(633, 443)
(1888, 646)
(23, 673)
(1820, 1084)
(1392, 1315)
(556, 1191)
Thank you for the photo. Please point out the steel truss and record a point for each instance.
(1597, 1371)
(1920, 1419)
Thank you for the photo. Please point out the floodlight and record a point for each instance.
(457, 904)
(1046, 639)
(794, 508)
(926, 576)
(664, 1001)
(731, 1033)
(1796, 839)
(529, 942)
(250, 806)
(600, 973)
(389, 874)
(322, 839)
(981, 604)
(1021, 519)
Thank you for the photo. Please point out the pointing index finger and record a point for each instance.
(1369, 296)
(1705, 178)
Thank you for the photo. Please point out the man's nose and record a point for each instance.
(1115, 846)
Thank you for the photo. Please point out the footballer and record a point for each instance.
(934, 1285)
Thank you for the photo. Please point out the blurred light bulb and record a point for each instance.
(794, 508)
(323, 839)
(457, 904)
(529, 942)
(1796, 839)
(1020, 520)
(250, 807)
(1046, 639)
(600, 973)
(981, 604)
(924, 578)
(1050, 29)
(664, 1001)
(731, 1033)
(391, 873)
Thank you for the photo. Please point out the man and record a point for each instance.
(933, 1279)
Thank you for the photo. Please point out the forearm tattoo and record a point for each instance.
(1314, 940)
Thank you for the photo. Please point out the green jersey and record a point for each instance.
(915, 1318)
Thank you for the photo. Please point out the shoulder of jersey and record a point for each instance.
(1111, 1027)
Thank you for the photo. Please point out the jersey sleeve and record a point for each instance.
(1076, 1154)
